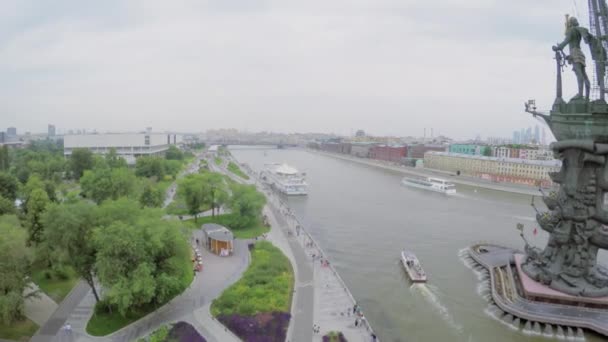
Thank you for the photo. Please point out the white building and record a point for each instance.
(127, 145)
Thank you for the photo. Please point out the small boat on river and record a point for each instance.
(412, 267)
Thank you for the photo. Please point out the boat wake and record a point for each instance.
(428, 292)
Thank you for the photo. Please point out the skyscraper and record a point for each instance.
(51, 131)
(537, 134)
(11, 131)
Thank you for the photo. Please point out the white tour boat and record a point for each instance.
(430, 183)
(413, 267)
(286, 179)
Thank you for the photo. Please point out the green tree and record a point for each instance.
(151, 196)
(6, 206)
(36, 205)
(150, 167)
(191, 189)
(115, 161)
(9, 185)
(173, 153)
(14, 265)
(142, 263)
(69, 229)
(81, 160)
(104, 183)
(215, 190)
(247, 202)
(487, 151)
(4, 158)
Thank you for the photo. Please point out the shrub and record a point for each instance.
(184, 332)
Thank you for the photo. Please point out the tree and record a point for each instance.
(215, 190)
(36, 205)
(81, 160)
(487, 151)
(150, 167)
(9, 185)
(191, 189)
(69, 229)
(14, 265)
(6, 206)
(115, 161)
(247, 202)
(151, 196)
(141, 263)
(173, 153)
(4, 158)
(104, 183)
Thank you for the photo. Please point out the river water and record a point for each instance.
(362, 218)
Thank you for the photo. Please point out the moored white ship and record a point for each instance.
(412, 267)
(430, 183)
(286, 179)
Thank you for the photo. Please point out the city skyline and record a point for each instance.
(280, 66)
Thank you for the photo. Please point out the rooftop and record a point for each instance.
(548, 163)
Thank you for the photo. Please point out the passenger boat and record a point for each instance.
(412, 267)
(286, 179)
(430, 183)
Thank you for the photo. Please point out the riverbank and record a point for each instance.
(322, 298)
(462, 180)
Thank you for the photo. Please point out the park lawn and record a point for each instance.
(266, 285)
(164, 185)
(18, 331)
(255, 230)
(218, 161)
(54, 286)
(102, 324)
(232, 167)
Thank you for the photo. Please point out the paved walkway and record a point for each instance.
(39, 308)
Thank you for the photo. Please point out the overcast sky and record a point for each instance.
(390, 67)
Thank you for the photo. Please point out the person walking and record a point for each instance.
(356, 322)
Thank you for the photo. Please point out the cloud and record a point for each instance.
(389, 67)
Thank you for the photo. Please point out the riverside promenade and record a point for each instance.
(321, 297)
(463, 180)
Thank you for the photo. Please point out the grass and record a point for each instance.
(18, 331)
(226, 220)
(218, 161)
(104, 323)
(232, 167)
(266, 285)
(51, 283)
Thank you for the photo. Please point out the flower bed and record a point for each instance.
(262, 327)
(334, 336)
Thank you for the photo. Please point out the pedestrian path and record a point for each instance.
(40, 307)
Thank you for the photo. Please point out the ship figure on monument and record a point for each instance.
(562, 285)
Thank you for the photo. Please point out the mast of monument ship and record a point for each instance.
(598, 26)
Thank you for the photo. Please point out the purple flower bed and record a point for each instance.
(334, 338)
(184, 332)
(263, 327)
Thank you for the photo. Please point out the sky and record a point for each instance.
(390, 67)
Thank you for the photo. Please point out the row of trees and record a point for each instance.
(105, 231)
(213, 190)
(136, 256)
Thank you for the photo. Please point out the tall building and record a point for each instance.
(543, 138)
(536, 134)
(516, 137)
(11, 131)
(51, 130)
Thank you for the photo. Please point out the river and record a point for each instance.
(362, 218)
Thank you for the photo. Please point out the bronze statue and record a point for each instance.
(574, 35)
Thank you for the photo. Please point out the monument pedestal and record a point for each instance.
(519, 301)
